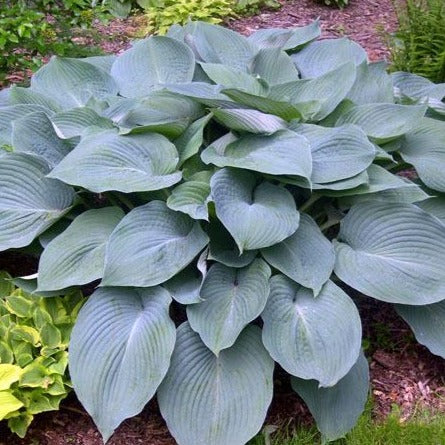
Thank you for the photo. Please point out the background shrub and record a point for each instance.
(335, 3)
(34, 336)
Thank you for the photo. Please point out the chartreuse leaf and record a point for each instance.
(283, 153)
(333, 148)
(286, 39)
(29, 202)
(424, 147)
(311, 337)
(218, 400)
(317, 98)
(232, 298)
(150, 245)
(77, 256)
(35, 134)
(6, 285)
(392, 252)
(71, 123)
(323, 56)
(255, 216)
(150, 63)
(191, 196)
(9, 374)
(72, 83)
(252, 121)
(428, 324)
(120, 351)
(306, 256)
(274, 66)
(8, 404)
(336, 409)
(383, 122)
(105, 160)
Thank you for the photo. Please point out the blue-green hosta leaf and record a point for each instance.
(428, 324)
(285, 39)
(323, 56)
(311, 337)
(189, 143)
(120, 351)
(252, 121)
(215, 44)
(344, 184)
(417, 87)
(150, 63)
(191, 197)
(384, 122)
(255, 216)
(221, 400)
(306, 256)
(334, 148)
(336, 409)
(424, 147)
(150, 245)
(35, 134)
(77, 256)
(223, 248)
(72, 83)
(232, 298)
(317, 98)
(434, 206)
(72, 123)
(11, 113)
(372, 85)
(282, 109)
(162, 112)
(103, 62)
(234, 78)
(108, 161)
(392, 252)
(283, 153)
(185, 286)
(274, 66)
(29, 202)
(20, 95)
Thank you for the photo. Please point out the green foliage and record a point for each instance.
(34, 336)
(241, 178)
(418, 46)
(335, 3)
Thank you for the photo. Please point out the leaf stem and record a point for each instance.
(309, 203)
(328, 224)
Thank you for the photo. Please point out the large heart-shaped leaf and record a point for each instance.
(29, 202)
(333, 148)
(77, 255)
(311, 338)
(326, 55)
(35, 134)
(424, 147)
(435, 206)
(105, 160)
(337, 409)
(286, 39)
(150, 245)
(20, 95)
(383, 122)
(218, 400)
(427, 323)
(72, 82)
(283, 153)
(417, 87)
(150, 63)
(255, 216)
(232, 298)
(392, 252)
(274, 66)
(120, 351)
(306, 256)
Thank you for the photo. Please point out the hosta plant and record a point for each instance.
(224, 195)
(34, 337)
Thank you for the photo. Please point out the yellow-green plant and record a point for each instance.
(34, 336)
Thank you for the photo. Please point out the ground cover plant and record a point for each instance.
(239, 188)
(34, 337)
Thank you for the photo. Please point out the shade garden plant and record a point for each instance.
(223, 195)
